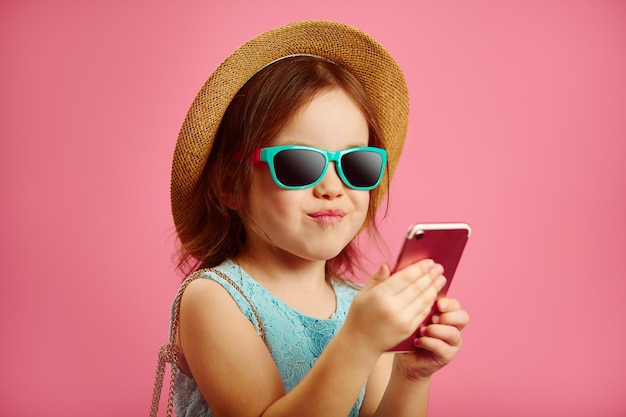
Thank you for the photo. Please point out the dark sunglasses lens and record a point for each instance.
(362, 168)
(298, 167)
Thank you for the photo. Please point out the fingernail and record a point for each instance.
(441, 280)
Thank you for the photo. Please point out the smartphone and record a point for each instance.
(442, 242)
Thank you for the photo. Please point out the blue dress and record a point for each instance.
(295, 340)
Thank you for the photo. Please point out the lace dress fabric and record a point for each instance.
(295, 340)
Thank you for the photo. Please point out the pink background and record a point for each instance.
(518, 126)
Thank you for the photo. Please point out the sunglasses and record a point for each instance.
(295, 167)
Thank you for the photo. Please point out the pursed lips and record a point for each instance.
(327, 216)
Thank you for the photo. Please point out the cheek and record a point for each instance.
(364, 205)
(268, 200)
(361, 202)
(261, 176)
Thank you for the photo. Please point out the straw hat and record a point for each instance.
(349, 47)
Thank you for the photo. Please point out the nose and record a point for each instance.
(331, 186)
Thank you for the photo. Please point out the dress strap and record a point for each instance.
(170, 352)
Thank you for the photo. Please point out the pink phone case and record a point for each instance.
(442, 242)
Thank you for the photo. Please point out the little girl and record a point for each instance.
(284, 157)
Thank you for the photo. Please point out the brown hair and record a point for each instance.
(212, 231)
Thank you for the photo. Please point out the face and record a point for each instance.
(314, 223)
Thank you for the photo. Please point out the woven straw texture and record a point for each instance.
(349, 47)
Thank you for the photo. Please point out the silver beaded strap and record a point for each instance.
(170, 352)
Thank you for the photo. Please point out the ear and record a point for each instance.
(230, 201)
(229, 192)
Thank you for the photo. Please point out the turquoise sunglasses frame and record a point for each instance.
(268, 154)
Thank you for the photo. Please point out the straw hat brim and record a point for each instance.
(347, 46)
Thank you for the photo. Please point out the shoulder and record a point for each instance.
(203, 291)
(209, 314)
(211, 321)
(205, 301)
(217, 281)
(220, 293)
(210, 289)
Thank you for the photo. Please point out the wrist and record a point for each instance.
(360, 349)
(406, 394)
(411, 376)
(414, 379)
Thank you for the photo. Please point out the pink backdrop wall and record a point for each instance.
(518, 126)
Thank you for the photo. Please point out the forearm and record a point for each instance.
(333, 384)
(404, 397)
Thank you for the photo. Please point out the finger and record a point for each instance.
(445, 304)
(442, 351)
(447, 334)
(427, 280)
(417, 269)
(433, 280)
(381, 275)
(423, 266)
(420, 305)
(458, 319)
(418, 274)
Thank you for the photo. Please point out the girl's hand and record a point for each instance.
(390, 307)
(439, 341)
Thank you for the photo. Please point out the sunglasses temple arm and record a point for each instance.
(254, 158)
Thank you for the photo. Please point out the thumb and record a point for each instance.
(383, 273)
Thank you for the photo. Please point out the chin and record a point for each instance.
(327, 255)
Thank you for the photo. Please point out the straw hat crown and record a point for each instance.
(347, 46)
